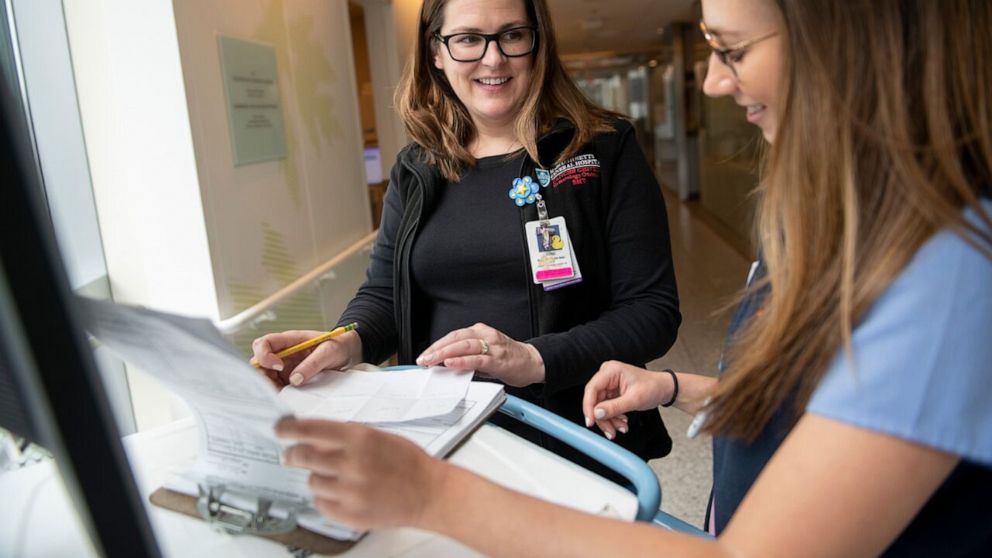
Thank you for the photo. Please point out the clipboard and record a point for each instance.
(222, 516)
(194, 344)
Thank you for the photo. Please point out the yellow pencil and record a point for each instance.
(311, 342)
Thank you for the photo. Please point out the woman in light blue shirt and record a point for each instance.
(853, 416)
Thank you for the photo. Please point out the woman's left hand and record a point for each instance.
(361, 476)
(487, 351)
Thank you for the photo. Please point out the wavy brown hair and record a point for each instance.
(885, 136)
(440, 123)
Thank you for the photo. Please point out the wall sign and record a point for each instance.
(254, 109)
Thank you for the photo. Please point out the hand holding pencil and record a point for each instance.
(293, 357)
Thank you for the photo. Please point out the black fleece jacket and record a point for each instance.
(625, 308)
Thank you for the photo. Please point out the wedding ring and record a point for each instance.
(485, 347)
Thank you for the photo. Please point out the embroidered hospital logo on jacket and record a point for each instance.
(576, 171)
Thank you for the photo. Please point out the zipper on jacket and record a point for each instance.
(532, 294)
(406, 303)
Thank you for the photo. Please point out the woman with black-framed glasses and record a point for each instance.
(523, 235)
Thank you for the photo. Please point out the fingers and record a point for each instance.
(504, 362)
(359, 475)
(349, 510)
(274, 378)
(452, 336)
(330, 354)
(323, 434)
(264, 355)
(616, 389)
(460, 342)
(324, 462)
(325, 485)
(428, 355)
(471, 353)
(329, 506)
(612, 427)
(608, 429)
(264, 349)
(321, 357)
(467, 363)
(473, 346)
(597, 389)
(268, 363)
(612, 406)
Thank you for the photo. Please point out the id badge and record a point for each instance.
(550, 250)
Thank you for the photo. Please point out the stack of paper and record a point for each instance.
(434, 407)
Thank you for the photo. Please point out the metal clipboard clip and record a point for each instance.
(226, 517)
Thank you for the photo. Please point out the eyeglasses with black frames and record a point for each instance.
(731, 56)
(472, 47)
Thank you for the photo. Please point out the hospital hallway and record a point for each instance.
(710, 272)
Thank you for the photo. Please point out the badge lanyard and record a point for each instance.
(549, 246)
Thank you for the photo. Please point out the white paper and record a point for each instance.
(439, 434)
(236, 407)
(379, 397)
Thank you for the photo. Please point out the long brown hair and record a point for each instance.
(440, 123)
(885, 136)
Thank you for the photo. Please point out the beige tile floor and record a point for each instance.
(709, 273)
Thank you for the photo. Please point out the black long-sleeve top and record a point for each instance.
(625, 308)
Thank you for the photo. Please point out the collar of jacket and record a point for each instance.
(549, 146)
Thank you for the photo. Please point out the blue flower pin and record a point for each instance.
(524, 191)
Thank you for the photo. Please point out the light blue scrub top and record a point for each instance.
(922, 357)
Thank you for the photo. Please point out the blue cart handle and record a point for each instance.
(633, 468)
(642, 478)
(643, 481)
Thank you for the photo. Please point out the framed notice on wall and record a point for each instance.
(254, 109)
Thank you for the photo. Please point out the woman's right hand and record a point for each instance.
(362, 476)
(618, 388)
(336, 354)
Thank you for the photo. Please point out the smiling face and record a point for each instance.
(758, 66)
(492, 89)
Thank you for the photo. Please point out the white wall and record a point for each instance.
(59, 137)
(406, 17)
(142, 162)
(50, 94)
(386, 66)
(271, 222)
(184, 230)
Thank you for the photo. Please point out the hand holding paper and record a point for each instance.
(394, 477)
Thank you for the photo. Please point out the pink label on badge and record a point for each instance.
(554, 273)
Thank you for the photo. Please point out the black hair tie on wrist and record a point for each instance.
(675, 392)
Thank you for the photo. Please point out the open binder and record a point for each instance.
(238, 484)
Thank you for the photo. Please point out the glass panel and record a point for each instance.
(47, 81)
(729, 153)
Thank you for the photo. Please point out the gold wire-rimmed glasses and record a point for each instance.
(730, 56)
